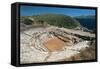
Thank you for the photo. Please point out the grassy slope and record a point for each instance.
(59, 20)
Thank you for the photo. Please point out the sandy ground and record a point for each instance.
(55, 44)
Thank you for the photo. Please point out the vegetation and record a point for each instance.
(85, 54)
(59, 20)
(27, 21)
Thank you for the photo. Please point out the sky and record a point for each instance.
(35, 10)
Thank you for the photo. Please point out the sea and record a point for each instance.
(89, 23)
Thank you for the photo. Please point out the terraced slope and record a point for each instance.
(35, 46)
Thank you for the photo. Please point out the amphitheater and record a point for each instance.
(51, 44)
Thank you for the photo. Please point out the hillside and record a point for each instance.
(86, 16)
(54, 37)
(59, 20)
(87, 21)
(53, 44)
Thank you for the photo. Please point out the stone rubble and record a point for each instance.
(32, 49)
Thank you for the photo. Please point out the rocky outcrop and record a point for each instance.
(65, 32)
(33, 49)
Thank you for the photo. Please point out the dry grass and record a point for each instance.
(86, 54)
